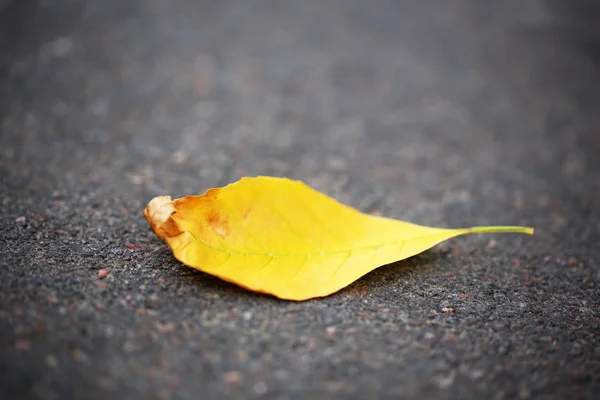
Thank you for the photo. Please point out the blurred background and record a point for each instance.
(173, 96)
(439, 112)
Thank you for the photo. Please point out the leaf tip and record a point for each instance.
(158, 214)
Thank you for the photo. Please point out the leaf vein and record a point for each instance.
(292, 227)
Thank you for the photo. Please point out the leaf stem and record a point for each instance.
(502, 229)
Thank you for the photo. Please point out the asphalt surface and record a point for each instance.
(444, 113)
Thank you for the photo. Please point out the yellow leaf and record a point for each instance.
(281, 237)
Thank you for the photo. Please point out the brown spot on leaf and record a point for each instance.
(211, 194)
(219, 225)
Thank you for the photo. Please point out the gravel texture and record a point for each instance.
(440, 112)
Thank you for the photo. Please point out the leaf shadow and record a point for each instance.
(206, 285)
(385, 277)
(379, 280)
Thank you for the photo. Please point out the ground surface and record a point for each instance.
(444, 113)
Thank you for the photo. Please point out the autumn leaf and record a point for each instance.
(281, 237)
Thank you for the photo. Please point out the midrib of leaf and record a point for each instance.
(452, 232)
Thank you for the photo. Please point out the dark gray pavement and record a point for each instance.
(440, 112)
